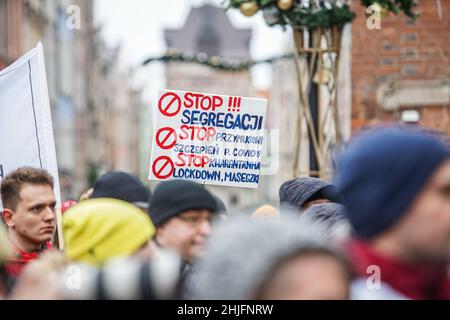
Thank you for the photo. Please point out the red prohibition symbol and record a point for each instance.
(166, 138)
(163, 167)
(169, 104)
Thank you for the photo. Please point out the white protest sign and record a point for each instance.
(26, 132)
(207, 138)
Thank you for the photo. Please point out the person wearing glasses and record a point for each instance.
(182, 212)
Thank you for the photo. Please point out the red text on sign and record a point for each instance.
(201, 101)
(191, 160)
(197, 133)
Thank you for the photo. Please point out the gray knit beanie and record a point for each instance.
(242, 253)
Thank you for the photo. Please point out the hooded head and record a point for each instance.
(253, 259)
(330, 213)
(302, 192)
(99, 229)
(332, 217)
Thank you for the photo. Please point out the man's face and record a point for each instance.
(425, 229)
(34, 219)
(186, 233)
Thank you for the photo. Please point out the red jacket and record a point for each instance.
(419, 282)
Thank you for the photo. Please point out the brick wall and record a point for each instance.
(401, 50)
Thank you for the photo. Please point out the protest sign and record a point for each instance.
(207, 138)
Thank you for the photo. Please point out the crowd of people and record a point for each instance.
(379, 230)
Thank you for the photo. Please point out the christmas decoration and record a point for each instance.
(313, 14)
(215, 62)
(285, 4)
(249, 8)
(272, 16)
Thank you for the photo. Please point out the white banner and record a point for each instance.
(211, 139)
(26, 132)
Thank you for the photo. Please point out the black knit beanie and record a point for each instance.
(123, 186)
(176, 196)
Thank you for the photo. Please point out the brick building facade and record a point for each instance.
(404, 66)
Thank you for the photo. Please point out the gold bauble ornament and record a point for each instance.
(249, 8)
(285, 4)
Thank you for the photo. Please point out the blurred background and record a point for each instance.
(102, 96)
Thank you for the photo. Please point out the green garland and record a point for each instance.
(325, 18)
(329, 12)
(215, 62)
(334, 13)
